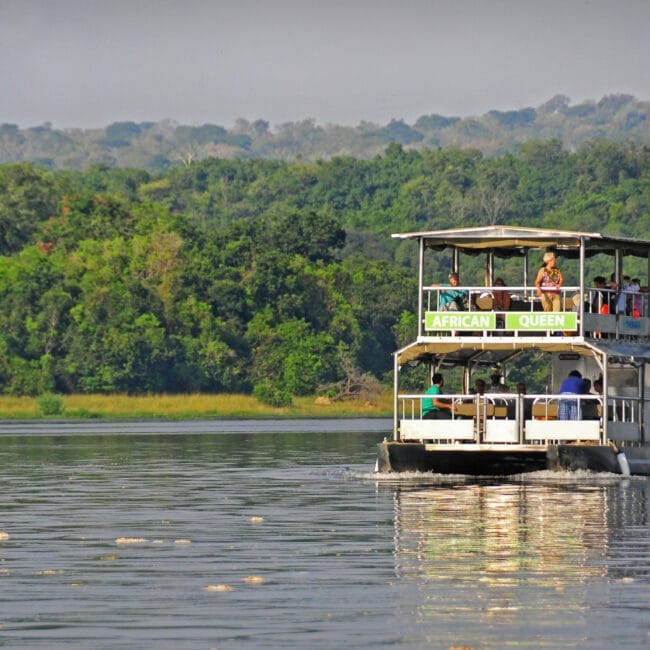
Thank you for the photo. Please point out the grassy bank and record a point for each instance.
(189, 406)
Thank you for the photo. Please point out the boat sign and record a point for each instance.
(459, 320)
(524, 320)
(542, 320)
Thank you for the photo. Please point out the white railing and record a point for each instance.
(482, 298)
(511, 418)
(602, 318)
(611, 301)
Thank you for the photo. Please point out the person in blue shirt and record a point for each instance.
(452, 299)
(434, 408)
(574, 384)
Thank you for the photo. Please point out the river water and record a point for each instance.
(277, 534)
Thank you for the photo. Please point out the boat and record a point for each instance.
(602, 333)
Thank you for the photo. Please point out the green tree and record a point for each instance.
(311, 235)
(292, 356)
(27, 199)
(494, 190)
(546, 173)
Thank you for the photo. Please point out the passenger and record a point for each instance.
(599, 302)
(477, 391)
(574, 384)
(549, 280)
(610, 306)
(624, 296)
(617, 298)
(479, 387)
(495, 384)
(635, 307)
(590, 407)
(434, 408)
(527, 404)
(452, 299)
(611, 405)
(634, 298)
(501, 296)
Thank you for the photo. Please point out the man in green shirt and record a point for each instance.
(434, 408)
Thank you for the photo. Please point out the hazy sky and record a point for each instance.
(89, 63)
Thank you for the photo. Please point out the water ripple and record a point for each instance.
(200, 540)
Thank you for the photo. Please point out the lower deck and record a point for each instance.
(505, 418)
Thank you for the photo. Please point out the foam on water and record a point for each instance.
(541, 476)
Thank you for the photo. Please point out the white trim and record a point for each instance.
(436, 430)
(562, 430)
(501, 431)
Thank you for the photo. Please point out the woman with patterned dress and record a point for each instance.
(548, 282)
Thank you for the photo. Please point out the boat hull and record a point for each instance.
(417, 457)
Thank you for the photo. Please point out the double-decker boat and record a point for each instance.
(602, 332)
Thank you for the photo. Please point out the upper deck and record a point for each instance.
(616, 319)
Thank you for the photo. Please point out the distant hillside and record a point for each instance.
(159, 146)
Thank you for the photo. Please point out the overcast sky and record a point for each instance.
(88, 63)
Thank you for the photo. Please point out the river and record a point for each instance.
(275, 534)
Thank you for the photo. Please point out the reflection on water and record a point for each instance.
(208, 540)
(508, 535)
(545, 560)
(502, 558)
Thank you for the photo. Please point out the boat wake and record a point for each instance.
(580, 476)
(555, 477)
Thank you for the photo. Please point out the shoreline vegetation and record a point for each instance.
(184, 407)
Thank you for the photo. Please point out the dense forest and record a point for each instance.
(261, 275)
(162, 145)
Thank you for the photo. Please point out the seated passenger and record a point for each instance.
(434, 408)
(611, 406)
(501, 296)
(478, 390)
(479, 387)
(527, 404)
(590, 407)
(452, 299)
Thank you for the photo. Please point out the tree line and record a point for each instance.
(262, 276)
(157, 146)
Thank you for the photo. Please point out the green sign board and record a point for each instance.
(460, 320)
(542, 320)
(515, 320)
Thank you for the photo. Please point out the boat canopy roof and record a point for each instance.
(514, 240)
(461, 352)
